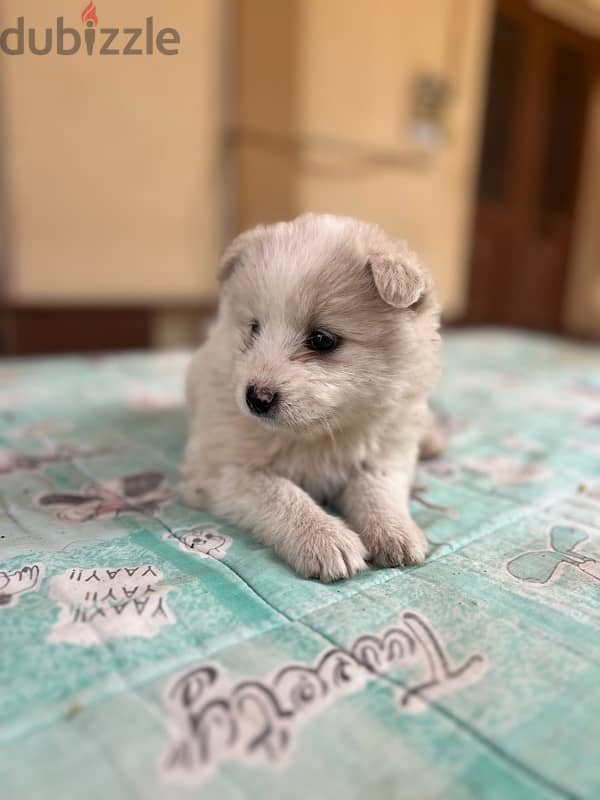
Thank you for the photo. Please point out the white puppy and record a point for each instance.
(312, 388)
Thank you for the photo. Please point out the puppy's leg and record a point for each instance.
(375, 503)
(282, 515)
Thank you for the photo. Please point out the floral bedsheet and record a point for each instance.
(149, 650)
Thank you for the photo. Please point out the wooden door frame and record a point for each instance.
(589, 45)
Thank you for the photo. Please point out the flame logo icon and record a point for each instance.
(89, 15)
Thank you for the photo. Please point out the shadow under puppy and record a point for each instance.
(312, 387)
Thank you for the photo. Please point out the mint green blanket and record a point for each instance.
(148, 650)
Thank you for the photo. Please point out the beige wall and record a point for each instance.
(114, 172)
(347, 75)
(114, 165)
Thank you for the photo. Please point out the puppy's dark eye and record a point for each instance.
(322, 341)
(255, 327)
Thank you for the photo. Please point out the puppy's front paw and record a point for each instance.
(329, 553)
(395, 544)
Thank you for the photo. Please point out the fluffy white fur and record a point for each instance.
(348, 424)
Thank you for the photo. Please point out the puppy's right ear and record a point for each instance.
(233, 255)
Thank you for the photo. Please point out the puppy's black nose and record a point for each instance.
(260, 400)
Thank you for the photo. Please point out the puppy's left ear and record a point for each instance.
(233, 255)
(401, 279)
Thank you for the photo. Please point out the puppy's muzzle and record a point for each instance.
(260, 400)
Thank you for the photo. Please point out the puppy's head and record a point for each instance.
(329, 320)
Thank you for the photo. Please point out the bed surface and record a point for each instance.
(148, 650)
